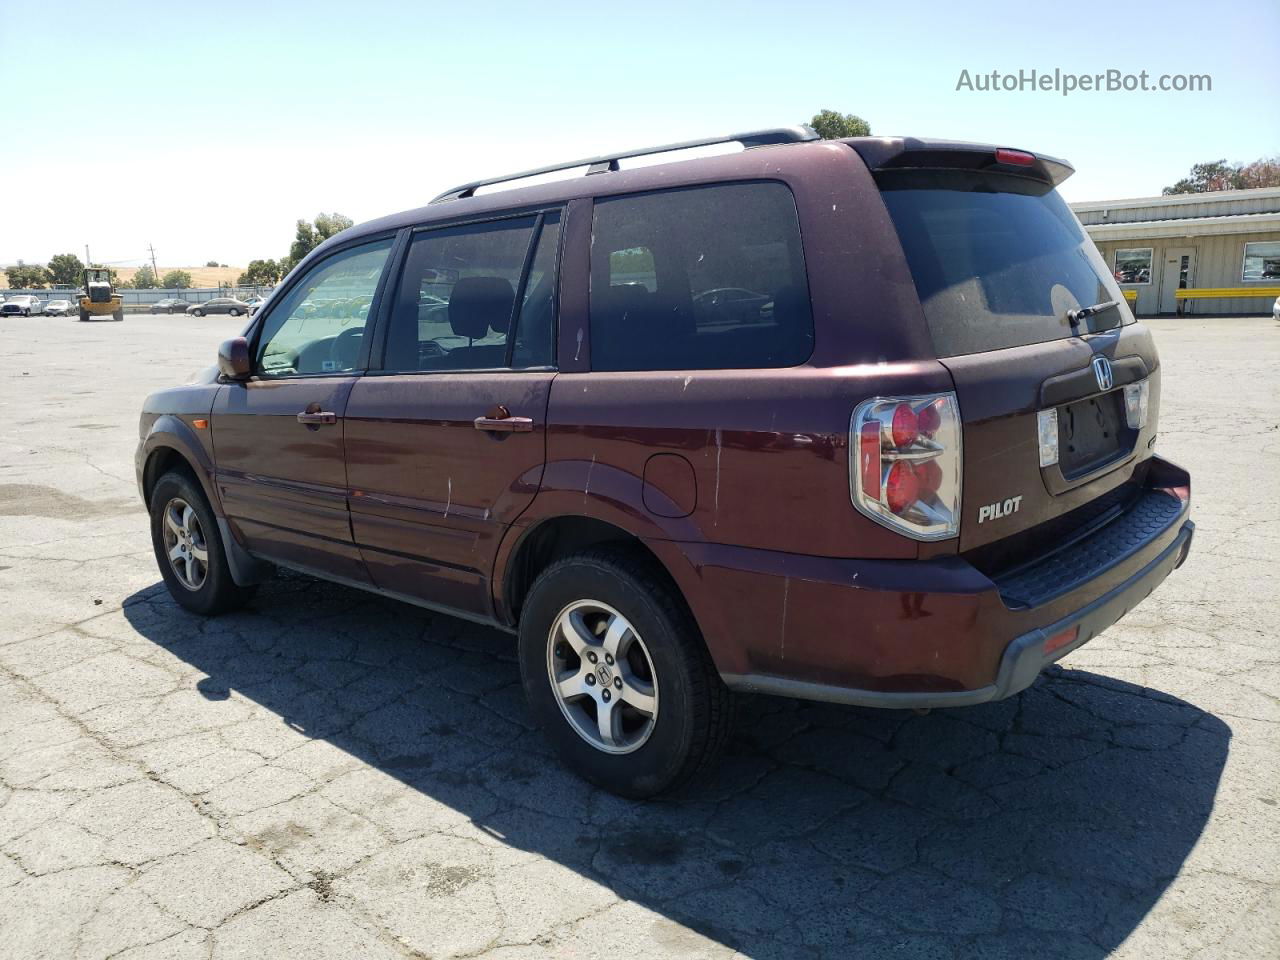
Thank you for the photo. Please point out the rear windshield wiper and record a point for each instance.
(1083, 313)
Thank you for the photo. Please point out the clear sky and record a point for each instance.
(207, 129)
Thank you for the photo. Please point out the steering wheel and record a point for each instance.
(345, 348)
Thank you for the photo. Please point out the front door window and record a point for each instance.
(318, 326)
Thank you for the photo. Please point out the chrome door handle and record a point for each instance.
(505, 424)
(317, 416)
(500, 420)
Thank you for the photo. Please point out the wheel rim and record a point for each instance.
(185, 544)
(602, 677)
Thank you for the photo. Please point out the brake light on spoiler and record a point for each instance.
(904, 470)
(1015, 158)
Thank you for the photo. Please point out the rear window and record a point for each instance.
(703, 278)
(997, 261)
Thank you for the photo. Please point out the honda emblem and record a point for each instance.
(1102, 370)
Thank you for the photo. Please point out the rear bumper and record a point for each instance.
(934, 633)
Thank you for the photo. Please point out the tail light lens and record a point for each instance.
(907, 473)
(1047, 429)
(1135, 404)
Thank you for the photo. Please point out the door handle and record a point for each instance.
(317, 416)
(500, 420)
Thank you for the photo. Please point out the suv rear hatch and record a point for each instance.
(1001, 264)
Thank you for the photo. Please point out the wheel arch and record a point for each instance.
(541, 544)
(171, 444)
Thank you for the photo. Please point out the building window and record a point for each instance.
(1133, 266)
(1261, 261)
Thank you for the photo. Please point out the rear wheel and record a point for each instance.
(118, 314)
(188, 548)
(234, 312)
(617, 676)
(197, 313)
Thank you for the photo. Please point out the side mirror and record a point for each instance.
(233, 359)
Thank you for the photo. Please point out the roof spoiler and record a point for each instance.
(896, 153)
(609, 162)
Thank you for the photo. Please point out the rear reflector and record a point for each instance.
(1060, 640)
(1017, 158)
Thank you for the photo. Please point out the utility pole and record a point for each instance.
(87, 261)
(154, 268)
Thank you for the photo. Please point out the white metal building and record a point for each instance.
(1207, 253)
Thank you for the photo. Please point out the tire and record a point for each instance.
(84, 315)
(234, 312)
(692, 710)
(203, 587)
(117, 315)
(197, 313)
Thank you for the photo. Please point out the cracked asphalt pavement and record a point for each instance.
(329, 774)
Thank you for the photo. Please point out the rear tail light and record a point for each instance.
(1047, 428)
(1136, 396)
(907, 474)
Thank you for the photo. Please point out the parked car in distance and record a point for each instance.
(256, 304)
(219, 305)
(170, 305)
(755, 435)
(21, 304)
(59, 308)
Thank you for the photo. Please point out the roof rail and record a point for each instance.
(609, 162)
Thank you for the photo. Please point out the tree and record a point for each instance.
(145, 278)
(211, 263)
(260, 272)
(66, 268)
(832, 126)
(27, 277)
(1220, 175)
(175, 279)
(308, 236)
(1261, 173)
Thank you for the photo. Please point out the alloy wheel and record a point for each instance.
(602, 677)
(185, 544)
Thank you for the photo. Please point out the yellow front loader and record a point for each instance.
(100, 300)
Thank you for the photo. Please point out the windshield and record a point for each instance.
(998, 261)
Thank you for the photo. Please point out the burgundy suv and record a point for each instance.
(865, 421)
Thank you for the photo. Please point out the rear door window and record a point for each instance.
(698, 279)
(480, 296)
(997, 260)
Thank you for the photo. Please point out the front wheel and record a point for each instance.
(617, 675)
(234, 312)
(188, 548)
(84, 314)
(117, 315)
(197, 313)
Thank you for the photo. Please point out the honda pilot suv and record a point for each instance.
(865, 421)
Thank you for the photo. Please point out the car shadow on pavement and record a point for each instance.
(1047, 825)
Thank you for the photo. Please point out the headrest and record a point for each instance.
(478, 304)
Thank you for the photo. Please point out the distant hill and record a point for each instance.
(200, 276)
